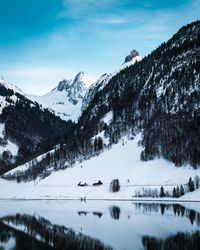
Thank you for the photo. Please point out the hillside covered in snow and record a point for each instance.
(122, 162)
(139, 125)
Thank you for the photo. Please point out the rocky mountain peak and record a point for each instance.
(64, 85)
(132, 55)
(78, 88)
(79, 76)
(72, 90)
(82, 79)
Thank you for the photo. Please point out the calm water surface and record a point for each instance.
(98, 225)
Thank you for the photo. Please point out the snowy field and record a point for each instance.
(121, 162)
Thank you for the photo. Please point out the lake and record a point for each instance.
(61, 224)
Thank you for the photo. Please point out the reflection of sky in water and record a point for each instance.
(121, 225)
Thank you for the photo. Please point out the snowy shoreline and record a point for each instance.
(103, 199)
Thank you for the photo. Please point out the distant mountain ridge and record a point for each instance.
(66, 99)
(71, 97)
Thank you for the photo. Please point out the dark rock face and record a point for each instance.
(64, 85)
(132, 54)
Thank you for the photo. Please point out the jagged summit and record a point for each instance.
(80, 82)
(132, 55)
(66, 99)
(75, 89)
(79, 76)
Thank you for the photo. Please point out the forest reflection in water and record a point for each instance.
(140, 226)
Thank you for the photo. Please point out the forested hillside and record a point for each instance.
(32, 129)
(158, 97)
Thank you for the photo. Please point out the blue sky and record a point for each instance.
(44, 41)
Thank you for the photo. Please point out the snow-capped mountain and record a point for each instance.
(66, 99)
(131, 59)
(139, 125)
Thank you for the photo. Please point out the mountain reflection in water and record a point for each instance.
(39, 233)
(100, 225)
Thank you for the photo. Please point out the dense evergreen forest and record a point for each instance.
(33, 129)
(158, 96)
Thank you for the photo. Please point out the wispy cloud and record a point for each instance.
(111, 20)
(85, 8)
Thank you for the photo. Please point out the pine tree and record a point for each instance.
(182, 192)
(177, 192)
(100, 143)
(162, 192)
(174, 192)
(191, 185)
(95, 144)
(115, 185)
(197, 180)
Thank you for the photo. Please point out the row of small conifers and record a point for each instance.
(177, 192)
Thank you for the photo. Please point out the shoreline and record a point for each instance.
(103, 199)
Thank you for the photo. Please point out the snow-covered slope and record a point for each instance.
(66, 99)
(10, 86)
(122, 161)
(131, 59)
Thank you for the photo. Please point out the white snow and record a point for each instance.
(108, 117)
(192, 195)
(10, 86)
(122, 161)
(10, 244)
(3, 103)
(2, 127)
(58, 102)
(86, 79)
(10, 146)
